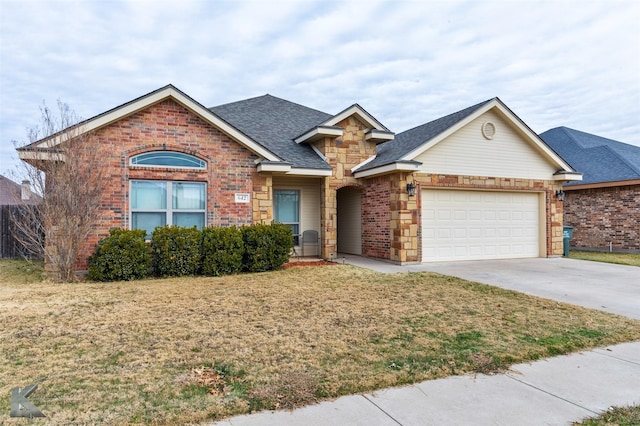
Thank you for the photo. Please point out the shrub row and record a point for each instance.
(178, 251)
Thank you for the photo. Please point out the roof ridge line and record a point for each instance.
(478, 105)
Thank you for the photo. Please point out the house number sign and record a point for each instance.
(242, 198)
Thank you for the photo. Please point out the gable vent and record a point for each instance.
(488, 130)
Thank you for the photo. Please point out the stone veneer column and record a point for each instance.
(555, 212)
(404, 220)
(328, 219)
(262, 199)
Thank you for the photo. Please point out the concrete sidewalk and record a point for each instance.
(554, 391)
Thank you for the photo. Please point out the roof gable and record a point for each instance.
(360, 113)
(409, 145)
(599, 159)
(143, 102)
(501, 153)
(412, 139)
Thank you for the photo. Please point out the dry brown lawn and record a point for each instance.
(188, 350)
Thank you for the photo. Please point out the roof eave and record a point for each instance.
(40, 155)
(595, 185)
(319, 132)
(566, 175)
(398, 166)
(301, 171)
(281, 167)
(274, 167)
(378, 136)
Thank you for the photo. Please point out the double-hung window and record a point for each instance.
(287, 210)
(159, 203)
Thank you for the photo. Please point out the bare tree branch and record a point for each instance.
(59, 166)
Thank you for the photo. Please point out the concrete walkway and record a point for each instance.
(554, 391)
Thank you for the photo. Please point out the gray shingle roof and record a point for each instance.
(598, 159)
(407, 141)
(274, 123)
(11, 194)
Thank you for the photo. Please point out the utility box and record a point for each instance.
(567, 234)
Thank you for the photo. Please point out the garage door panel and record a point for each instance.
(469, 225)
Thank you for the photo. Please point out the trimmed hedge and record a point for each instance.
(267, 247)
(176, 251)
(222, 251)
(122, 256)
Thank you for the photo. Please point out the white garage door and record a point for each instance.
(474, 225)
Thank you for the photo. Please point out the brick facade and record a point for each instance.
(376, 218)
(169, 126)
(390, 218)
(604, 216)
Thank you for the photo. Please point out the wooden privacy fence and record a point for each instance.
(10, 247)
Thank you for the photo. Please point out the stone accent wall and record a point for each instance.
(169, 126)
(342, 154)
(600, 216)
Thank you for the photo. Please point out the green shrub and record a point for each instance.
(222, 251)
(267, 247)
(123, 255)
(176, 251)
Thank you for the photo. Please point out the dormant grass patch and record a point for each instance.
(188, 350)
(631, 259)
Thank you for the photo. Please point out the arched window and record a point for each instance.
(167, 159)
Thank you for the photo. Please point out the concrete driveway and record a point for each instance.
(604, 286)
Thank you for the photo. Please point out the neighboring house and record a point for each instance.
(604, 208)
(476, 184)
(13, 197)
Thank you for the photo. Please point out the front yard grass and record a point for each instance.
(188, 350)
(632, 259)
(617, 416)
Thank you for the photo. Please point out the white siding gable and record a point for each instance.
(468, 152)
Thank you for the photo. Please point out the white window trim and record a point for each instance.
(159, 166)
(169, 202)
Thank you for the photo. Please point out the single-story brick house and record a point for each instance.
(603, 208)
(475, 184)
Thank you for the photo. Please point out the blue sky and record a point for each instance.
(554, 63)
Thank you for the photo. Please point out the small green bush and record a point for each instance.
(267, 247)
(176, 251)
(123, 255)
(222, 251)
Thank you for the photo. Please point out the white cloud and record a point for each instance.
(406, 62)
